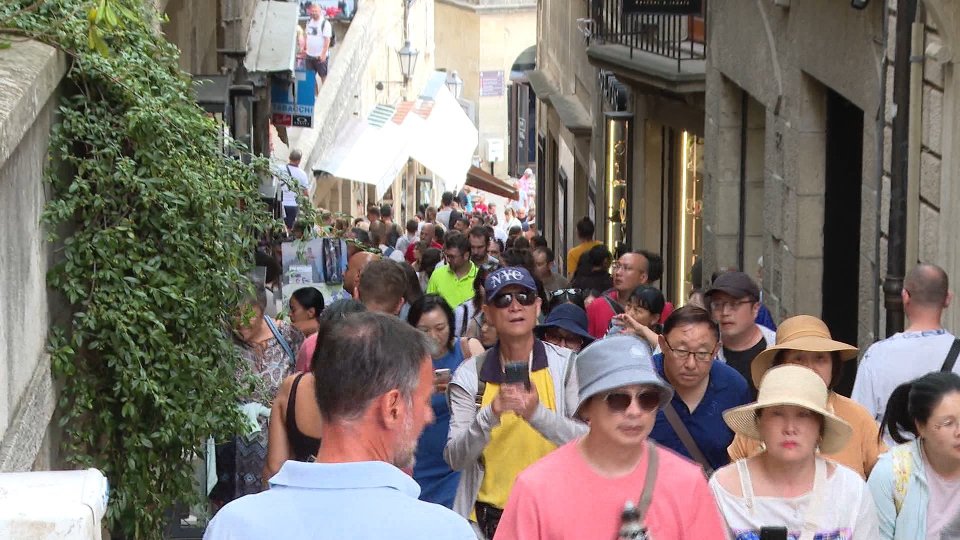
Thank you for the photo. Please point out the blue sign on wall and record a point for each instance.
(292, 104)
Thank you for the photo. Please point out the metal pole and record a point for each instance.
(896, 236)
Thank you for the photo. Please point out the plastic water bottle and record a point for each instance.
(630, 526)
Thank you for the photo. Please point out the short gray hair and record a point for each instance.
(363, 357)
(295, 155)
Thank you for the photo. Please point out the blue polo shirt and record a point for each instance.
(319, 501)
(725, 390)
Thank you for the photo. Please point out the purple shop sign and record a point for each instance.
(491, 83)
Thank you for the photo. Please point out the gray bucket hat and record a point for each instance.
(616, 361)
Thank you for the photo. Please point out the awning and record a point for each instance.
(433, 130)
(272, 40)
(481, 179)
(367, 153)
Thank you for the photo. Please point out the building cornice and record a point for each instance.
(492, 7)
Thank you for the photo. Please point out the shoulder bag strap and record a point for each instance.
(649, 481)
(951, 356)
(812, 515)
(481, 385)
(281, 339)
(614, 305)
(671, 414)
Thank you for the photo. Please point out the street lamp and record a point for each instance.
(408, 60)
(455, 84)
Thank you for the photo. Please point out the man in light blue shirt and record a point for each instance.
(374, 378)
(921, 348)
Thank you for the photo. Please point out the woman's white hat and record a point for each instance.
(792, 385)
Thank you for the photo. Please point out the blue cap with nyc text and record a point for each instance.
(505, 277)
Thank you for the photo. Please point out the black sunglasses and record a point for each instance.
(503, 301)
(570, 292)
(619, 401)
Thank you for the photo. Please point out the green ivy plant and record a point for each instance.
(157, 231)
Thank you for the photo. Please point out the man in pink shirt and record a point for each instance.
(581, 489)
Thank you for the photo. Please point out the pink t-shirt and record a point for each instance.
(305, 354)
(561, 497)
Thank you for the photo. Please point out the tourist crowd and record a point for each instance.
(474, 384)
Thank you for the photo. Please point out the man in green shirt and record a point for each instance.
(454, 281)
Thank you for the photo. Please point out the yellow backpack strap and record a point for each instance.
(902, 468)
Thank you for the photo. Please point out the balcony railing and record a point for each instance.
(677, 37)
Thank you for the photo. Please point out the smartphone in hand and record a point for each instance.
(773, 533)
(517, 373)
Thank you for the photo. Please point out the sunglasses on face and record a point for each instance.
(619, 401)
(569, 292)
(503, 301)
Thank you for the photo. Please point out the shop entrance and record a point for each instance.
(841, 225)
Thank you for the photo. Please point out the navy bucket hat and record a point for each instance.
(567, 317)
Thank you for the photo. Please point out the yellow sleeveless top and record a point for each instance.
(514, 444)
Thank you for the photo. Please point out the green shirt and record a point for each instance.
(454, 290)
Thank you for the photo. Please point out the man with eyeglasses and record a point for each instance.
(454, 280)
(734, 301)
(631, 270)
(498, 428)
(692, 423)
(580, 490)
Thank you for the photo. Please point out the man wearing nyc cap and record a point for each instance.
(620, 393)
(734, 300)
(497, 429)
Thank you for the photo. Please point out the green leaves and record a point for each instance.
(158, 229)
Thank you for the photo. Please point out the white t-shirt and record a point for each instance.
(443, 217)
(316, 32)
(849, 511)
(289, 197)
(898, 359)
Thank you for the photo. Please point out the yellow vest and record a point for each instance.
(514, 444)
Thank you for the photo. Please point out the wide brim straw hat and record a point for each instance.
(792, 385)
(801, 333)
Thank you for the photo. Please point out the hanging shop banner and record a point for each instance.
(618, 167)
(292, 101)
(674, 7)
(491, 83)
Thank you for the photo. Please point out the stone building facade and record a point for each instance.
(799, 138)
(486, 37)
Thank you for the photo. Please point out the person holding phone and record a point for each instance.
(789, 484)
(614, 464)
(432, 315)
(504, 420)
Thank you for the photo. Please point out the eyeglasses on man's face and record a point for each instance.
(700, 356)
(563, 338)
(718, 306)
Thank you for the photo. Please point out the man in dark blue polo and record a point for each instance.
(691, 424)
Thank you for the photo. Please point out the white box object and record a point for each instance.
(494, 149)
(53, 505)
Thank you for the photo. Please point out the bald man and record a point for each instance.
(355, 265)
(922, 347)
(428, 233)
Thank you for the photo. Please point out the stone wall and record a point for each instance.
(787, 59)
(30, 74)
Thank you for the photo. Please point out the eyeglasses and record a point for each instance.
(561, 292)
(949, 424)
(728, 306)
(503, 301)
(699, 356)
(618, 266)
(620, 401)
(566, 340)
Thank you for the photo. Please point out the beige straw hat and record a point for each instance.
(791, 385)
(800, 333)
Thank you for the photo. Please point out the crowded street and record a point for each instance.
(479, 269)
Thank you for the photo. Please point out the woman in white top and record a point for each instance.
(789, 485)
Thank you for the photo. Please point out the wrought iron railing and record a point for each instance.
(678, 37)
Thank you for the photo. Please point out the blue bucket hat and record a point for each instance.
(614, 362)
(568, 317)
(505, 277)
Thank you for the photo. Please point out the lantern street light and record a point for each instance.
(455, 84)
(408, 61)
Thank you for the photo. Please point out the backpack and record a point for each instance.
(333, 32)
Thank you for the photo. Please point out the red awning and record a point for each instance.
(481, 179)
